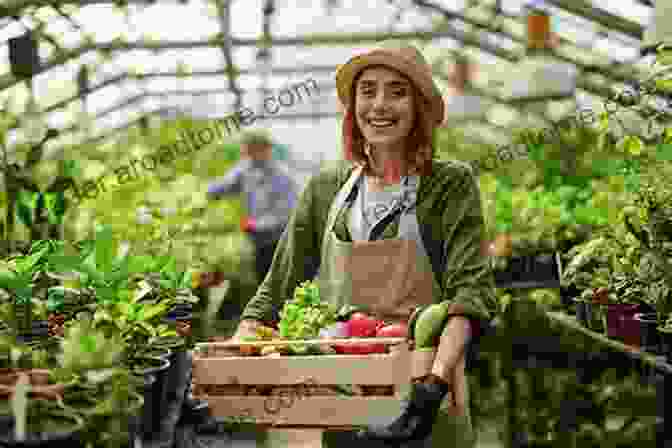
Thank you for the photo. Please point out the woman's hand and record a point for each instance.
(453, 341)
(246, 328)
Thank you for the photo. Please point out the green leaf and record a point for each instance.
(24, 211)
(64, 263)
(664, 151)
(106, 248)
(604, 122)
(55, 204)
(151, 311)
(633, 145)
(27, 264)
(535, 151)
(139, 264)
(71, 168)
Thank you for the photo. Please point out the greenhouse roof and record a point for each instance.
(156, 57)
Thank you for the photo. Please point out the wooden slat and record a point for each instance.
(322, 412)
(375, 369)
(280, 342)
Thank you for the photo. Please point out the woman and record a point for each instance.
(393, 229)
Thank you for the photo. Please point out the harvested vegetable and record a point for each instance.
(305, 315)
(429, 325)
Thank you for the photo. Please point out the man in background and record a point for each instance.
(269, 195)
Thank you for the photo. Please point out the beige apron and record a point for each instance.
(389, 278)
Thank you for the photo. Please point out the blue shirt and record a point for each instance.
(269, 191)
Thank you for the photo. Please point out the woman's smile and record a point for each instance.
(384, 106)
(381, 123)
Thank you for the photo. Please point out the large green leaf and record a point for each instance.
(26, 265)
(106, 248)
(8, 280)
(24, 210)
(60, 262)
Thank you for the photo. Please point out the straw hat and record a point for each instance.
(399, 56)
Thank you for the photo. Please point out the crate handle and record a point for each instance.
(235, 344)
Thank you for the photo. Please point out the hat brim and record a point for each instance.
(347, 73)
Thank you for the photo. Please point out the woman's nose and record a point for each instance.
(380, 102)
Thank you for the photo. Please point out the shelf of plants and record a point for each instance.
(93, 344)
(592, 195)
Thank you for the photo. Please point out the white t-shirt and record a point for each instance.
(369, 207)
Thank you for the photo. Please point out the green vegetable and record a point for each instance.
(304, 315)
(429, 325)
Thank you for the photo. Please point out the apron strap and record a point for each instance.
(338, 201)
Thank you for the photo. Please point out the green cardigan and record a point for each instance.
(450, 217)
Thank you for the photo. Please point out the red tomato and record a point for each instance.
(392, 331)
(362, 326)
(359, 349)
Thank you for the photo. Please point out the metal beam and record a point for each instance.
(202, 92)
(317, 68)
(598, 15)
(15, 7)
(224, 16)
(322, 39)
(116, 130)
(308, 40)
(168, 74)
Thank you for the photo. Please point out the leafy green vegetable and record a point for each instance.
(306, 314)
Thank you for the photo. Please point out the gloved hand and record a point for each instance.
(248, 224)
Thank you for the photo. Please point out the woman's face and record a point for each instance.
(384, 106)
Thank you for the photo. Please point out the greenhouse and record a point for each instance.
(186, 261)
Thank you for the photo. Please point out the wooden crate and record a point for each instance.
(214, 368)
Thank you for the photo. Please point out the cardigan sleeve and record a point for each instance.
(296, 251)
(297, 256)
(468, 281)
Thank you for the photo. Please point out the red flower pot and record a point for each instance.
(621, 323)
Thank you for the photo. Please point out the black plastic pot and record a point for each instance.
(567, 295)
(160, 352)
(144, 423)
(66, 432)
(38, 334)
(157, 368)
(665, 343)
(178, 363)
(179, 310)
(135, 425)
(650, 341)
(584, 312)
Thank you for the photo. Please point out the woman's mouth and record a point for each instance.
(380, 123)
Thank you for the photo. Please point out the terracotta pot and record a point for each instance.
(39, 381)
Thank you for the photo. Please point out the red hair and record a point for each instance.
(418, 159)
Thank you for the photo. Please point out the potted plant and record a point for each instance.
(588, 269)
(650, 222)
(665, 332)
(17, 279)
(657, 297)
(137, 323)
(38, 423)
(625, 295)
(103, 393)
(30, 395)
